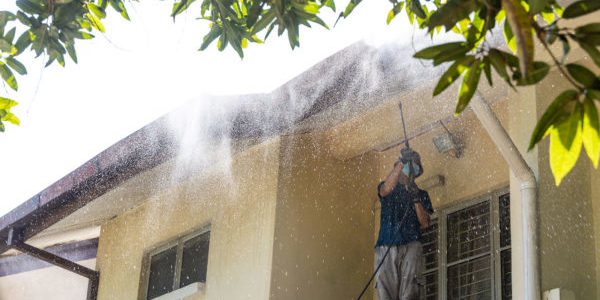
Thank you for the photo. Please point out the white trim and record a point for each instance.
(186, 291)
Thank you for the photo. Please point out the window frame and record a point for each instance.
(177, 242)
(441, 214)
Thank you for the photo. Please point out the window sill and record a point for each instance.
(191, 289)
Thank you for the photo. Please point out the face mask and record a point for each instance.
(416, 169)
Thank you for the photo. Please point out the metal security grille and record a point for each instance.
(466, 251)
(429, 238)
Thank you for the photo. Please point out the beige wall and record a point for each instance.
(566, 215)
(240, 210)
(324, 222)
(595, 182)
(52, 283)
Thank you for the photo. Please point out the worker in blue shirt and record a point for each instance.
(405, 209)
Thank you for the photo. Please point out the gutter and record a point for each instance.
(528, 183)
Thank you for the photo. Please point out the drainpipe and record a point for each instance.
(528, 182)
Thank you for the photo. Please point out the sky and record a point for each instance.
(140, 70)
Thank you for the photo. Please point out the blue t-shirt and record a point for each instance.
(393, 208)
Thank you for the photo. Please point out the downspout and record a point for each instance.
(528, 183)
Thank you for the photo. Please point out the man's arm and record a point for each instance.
(391, 180)
(422, 214)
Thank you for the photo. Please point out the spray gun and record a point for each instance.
(408, 155)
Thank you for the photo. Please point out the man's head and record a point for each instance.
(411, 159)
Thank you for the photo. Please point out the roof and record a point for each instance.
(357, 70)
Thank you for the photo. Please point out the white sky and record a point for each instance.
(142, 69)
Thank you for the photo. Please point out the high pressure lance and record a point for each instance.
(412, 160)
(409, 157)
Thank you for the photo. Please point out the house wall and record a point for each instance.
(52, 283)
(239, 205)
(595, 182)
(324, 221)
(567, 242)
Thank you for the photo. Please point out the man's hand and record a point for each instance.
(392, 180)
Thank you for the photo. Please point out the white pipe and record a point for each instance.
(528, 182)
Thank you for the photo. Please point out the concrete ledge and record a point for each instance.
(186, 291)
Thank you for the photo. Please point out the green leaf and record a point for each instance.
(548, 16)
(311, 7)
(588, 28)
(591, 131)
(451, 13)
(264, 21)
(592, 93)
(574, 123)
(351, 6)
(583, 76)
(95, 22)
(71, 51)
(98, 11)
(509, 37)
(592, 51)
(10, 117)
(417, 9)
(394, 12)
(550, 116)
(253, 13)
(330, 4)
(498, 62)
(487, 70)
(16, 65)
(30, 7)
(565, 143)
(23, 19)
(10, 36)
(2, 127)
(453, 72)
(6, 47)
(538, 72)
(566, 47)
(121, 8)
(83, 35)
(581, 8)
(434, 51)
(536, 6)
(519, 22)
(178, 7)
(8, 76)
(468, 86)
(6, 103)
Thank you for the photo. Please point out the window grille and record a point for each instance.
(466, 251)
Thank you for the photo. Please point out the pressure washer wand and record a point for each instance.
(403, 125)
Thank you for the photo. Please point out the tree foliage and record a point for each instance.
(571, 121)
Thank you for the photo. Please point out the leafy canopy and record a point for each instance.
(572, 122)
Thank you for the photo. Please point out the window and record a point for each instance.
(176, 265)
(467, 251)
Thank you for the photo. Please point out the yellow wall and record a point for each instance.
(240, 210)
(595, 182)
(324, 222)
(52, 283)
(566, 216)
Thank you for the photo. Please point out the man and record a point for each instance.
(399, 275)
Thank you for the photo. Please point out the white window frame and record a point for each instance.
(495, 249)
(178, 242)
